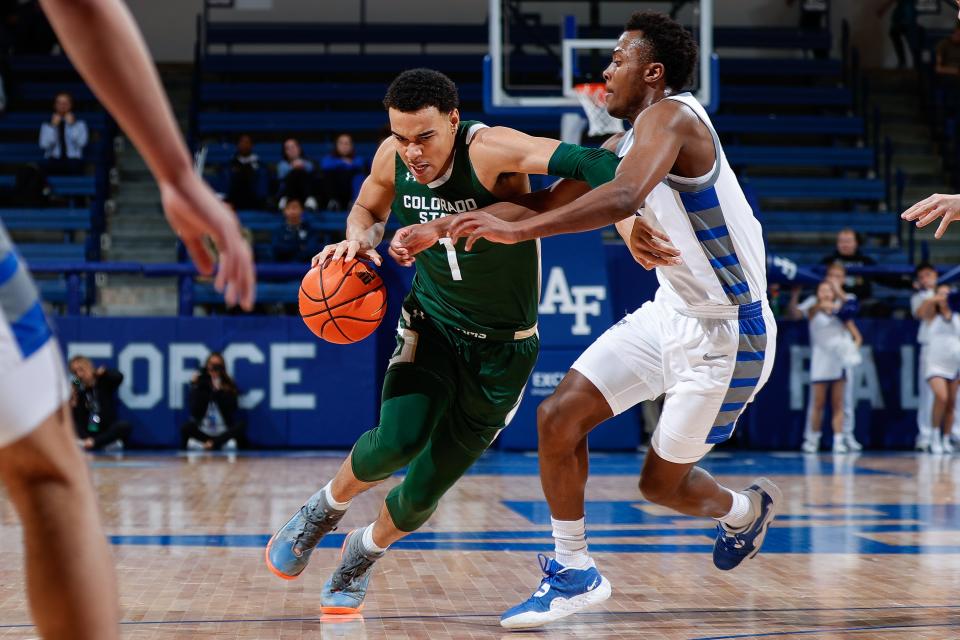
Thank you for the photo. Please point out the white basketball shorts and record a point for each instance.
(709, 370)
(33, 383)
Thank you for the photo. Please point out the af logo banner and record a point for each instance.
(574, 292)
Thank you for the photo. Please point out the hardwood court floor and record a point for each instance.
(866, 547)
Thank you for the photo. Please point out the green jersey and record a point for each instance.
(491, 291)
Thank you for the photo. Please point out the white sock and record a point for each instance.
(328, 494)
(570, 543)
(367, 542)
(741, 512)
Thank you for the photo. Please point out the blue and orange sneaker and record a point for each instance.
(733, 546)
(563, 591)
(288, 551)
(344, 592)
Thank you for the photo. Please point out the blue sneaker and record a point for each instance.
(562, 591)
(344, 592)
(734, 546)
(288, 551)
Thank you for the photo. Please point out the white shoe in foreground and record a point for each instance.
(563, 591)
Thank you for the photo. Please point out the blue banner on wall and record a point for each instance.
(298, 391)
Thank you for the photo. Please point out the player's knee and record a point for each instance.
(558, 427)
(409, 510)
(376, 456)
(655, 491)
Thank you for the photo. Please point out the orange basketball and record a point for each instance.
(342, 302)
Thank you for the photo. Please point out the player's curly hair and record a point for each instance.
(673, 46)
(417, 89)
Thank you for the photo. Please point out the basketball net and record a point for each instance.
(591, 97)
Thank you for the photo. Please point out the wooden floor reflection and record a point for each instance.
(868, 547)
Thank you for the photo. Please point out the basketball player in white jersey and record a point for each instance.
(707, 340)
(69, 572)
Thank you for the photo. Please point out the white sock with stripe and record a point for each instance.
(570, 543)
(741, 512)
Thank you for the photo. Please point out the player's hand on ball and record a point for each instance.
(193, 212)
(480, 224)
(936, 206)
(651, 247)
(347, 250)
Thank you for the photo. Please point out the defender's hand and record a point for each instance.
(193, 212)
(936, 206)
(480, 224)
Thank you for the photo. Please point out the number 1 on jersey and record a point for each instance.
(452, 258)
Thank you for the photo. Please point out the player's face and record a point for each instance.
(424, 140)
(624, 76)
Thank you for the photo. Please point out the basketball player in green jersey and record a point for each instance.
(467, 337)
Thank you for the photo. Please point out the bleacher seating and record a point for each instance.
(80, 186)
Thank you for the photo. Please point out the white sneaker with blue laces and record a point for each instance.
(563, 591)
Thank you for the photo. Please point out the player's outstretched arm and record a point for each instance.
(368, 217)
(107, 49)
(934, 207)
(657, 142)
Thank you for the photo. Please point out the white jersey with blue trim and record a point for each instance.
(720, 240)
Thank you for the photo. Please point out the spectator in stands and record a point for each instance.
(835, 345)
(903, 27)
(948, 55)
(343, 172)
(848, 254)
(214, 399)
(923, 306)
(245, 190)
(94, 403)
(294, 240)
(814, 16)
(296, 175)
(63, 139)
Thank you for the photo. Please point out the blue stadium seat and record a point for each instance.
(860, 189)
(31, 121)
(269, 152)
(792, 38)
(46, 219)
(770, 95)
(813, 254)
(61, 185)
(780, 67)
(799, 222)
(798, 125)
(796, 156)
(224, 93)
(39, 91)
(38, 252)
(321, 66)
(233, 33)
(336, 122)
(267, 293)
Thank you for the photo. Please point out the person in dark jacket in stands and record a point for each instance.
(848, 254)
(94, 404)
(214, 398)
(246, 177)
(294, 240)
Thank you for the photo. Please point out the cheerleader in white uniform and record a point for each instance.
(942, 368)
(835, 344)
